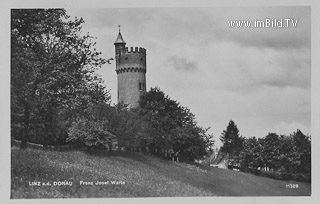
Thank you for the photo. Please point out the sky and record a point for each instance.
(258, 77)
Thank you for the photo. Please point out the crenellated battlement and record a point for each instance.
(134, 50)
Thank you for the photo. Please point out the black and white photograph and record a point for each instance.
(176, 101)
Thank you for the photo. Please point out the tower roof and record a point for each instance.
(119, 39)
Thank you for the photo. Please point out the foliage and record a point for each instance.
(289, 154)
(52, 74)
(172, 126)
(301, 151)
(127, 124)
(91, 128)
(232, 142)
(271, 150)
(250, 156)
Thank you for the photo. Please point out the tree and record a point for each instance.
(172, 126)
(301, 152)
(291, 154)
(286, 154)
(251, 156)
(271, 151)
(52, 73)
(91, 128)
(232, 142)
(128, 125)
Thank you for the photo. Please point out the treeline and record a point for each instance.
(290, 154)
(57, 99)
(159, 125)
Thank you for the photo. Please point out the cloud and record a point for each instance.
(182, 64)
(248, 69)
(257, 77)
(207, 24)
(272, 37)
(289, 128)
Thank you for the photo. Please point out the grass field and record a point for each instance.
(138, 176)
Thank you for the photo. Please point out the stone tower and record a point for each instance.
(131, 71)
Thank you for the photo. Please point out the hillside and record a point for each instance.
(134, 174)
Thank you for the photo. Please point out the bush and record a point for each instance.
(90, 133)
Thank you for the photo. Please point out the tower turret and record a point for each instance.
(131, 72)
(119, 44)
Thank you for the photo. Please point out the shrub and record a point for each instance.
(90, 133)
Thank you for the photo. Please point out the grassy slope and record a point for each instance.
(144, 176)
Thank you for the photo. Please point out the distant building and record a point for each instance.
(220, 161)
(131, 71)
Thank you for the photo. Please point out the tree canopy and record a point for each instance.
(292, 153)
(52, 73)
(232, 141)
(172, 126)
